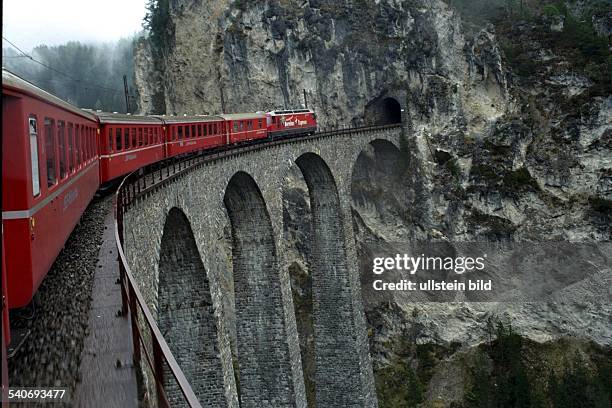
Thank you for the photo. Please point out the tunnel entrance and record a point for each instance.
(383, 111)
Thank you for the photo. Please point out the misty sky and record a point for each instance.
(29, 23)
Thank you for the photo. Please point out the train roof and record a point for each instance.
(190, 119)
(240, 116)
(287, 111)
(108, 117)
(14, 82)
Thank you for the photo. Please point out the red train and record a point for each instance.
(55, 156)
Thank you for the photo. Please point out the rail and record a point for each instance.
(141, 182)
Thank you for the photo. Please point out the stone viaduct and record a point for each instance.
(217, 232)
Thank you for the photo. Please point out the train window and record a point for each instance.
(215, 128)
(250, 124)
(145, 132)
(235, 127)
(128, 140)
(193, 130)
(180, 132)
(79, 133)
(118, 139)
(259, 123)
(70, 149)
(50, 153)
(110, 140)
(187, 132)
(199, 130)
(61, 139)
(88, 144)
(140, 141)
(34, 155)
(85, 144)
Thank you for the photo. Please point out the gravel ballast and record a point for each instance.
(50, 356)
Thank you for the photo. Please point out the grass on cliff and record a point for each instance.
(507, 371)
(578, 42)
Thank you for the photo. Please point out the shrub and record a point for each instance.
(519, 180)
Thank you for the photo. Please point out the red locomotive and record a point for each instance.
(55, 156)
(291, 122)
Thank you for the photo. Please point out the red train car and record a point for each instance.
(127, 143)
(242, 127)
(50, 173)
(291, 122)
(185, 134)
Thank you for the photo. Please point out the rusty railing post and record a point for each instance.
(159, 370)
(134, 321)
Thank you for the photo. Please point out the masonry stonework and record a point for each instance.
(210, 201)
(185, 306)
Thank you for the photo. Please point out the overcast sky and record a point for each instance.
(29, 23)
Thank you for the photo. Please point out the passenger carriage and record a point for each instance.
(185, 134)
(127, 143)
(243, 127)
(50, 173)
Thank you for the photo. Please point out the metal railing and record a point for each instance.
(133, 301)
(138, 184)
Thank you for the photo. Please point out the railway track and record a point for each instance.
(56, 321)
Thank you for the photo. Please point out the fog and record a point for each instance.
(79, 51)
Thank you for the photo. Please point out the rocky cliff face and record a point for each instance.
(509, 139)
(247, 56)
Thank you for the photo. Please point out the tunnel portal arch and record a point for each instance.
(383, 111)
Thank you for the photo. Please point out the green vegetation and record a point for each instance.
(453, 167)
(600, 204)
(398, 386)
(485, 172)
(578, 41)
(519, 180)
(157, 21)
(90, 76)
(501, 377)
(507, 371)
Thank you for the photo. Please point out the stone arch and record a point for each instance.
(379, 164)
(383, 111)
(381, 197)
(186, 314)
(337, 380)
(263, 372)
